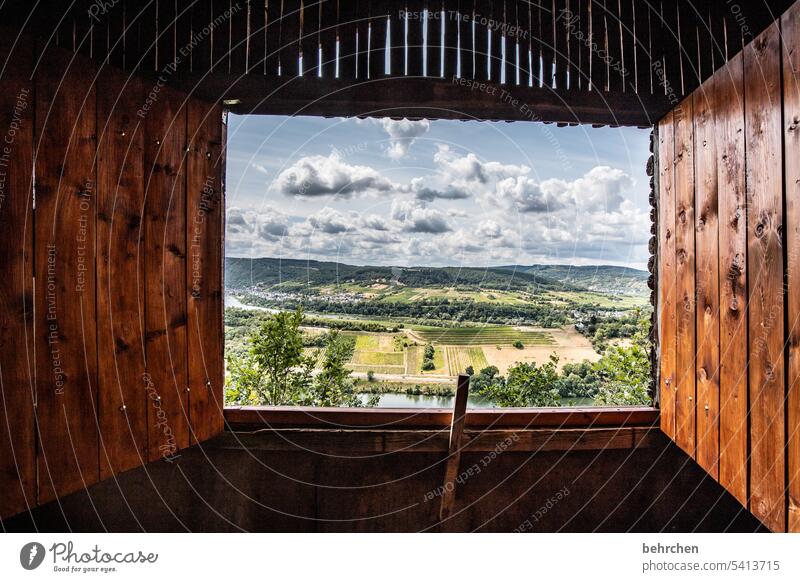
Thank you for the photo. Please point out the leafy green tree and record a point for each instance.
(579, 380)
(625, 372)
(485, 378)
(276, 372)
(519, 345)
(527, 384)
(334, 385)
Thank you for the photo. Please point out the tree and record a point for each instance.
(485, 378)
(427, 358)
(276, 372)
(519, 345)
(334, 386)
(625, 372)
(527, 384)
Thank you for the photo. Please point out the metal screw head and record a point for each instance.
(208, 383)
(123, 408)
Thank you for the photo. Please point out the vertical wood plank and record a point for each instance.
(790, 32)
(309, 41)
(257, 20)
(416, 48)
(729, 136)
(685, 397)
(667, 278)
(327, 37)
(583, 29)
(469, 41)
(65, 275)
(146, 19)
(598, 38)
(377, 57)
(239, 24)
(17, 389)
(165, 276)
(765, 268)
(707, 278)
(167, 43)
(200, 29)
(120, 315)
(434, 51)
(484, 65)
(347, 39)
(505, 44)
(613, 45)
(453, 26)
(205, 212)
(454, 449)
(547, 43)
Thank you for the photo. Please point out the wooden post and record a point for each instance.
(454, 452)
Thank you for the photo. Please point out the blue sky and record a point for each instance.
(397, 192)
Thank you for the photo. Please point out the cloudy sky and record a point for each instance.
(436, 193)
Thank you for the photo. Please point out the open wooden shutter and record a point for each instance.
(729, 256)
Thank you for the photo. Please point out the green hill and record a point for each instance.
(241, 273)
(601, 278)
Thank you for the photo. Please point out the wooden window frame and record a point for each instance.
(282, 417)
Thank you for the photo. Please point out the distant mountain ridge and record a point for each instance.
(268, 272)
(602, 278)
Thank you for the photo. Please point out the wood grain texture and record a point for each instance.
(685, 353)
(667, 291)
(765, 277)
(205, 208)
(166, 381)
(729, 137)
(790, 32)
(120, 260)
(454, 447)
(65, 276)
(17, 388)
(705, 101)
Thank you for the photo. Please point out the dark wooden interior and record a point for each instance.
(112, 202)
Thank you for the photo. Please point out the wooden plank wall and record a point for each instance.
(17, 389)
(730, 152)
(122, 240)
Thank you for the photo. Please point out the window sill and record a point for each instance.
(244, 418)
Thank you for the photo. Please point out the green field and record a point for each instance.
(458, 359)
(413, 359)
(378, 358)
(414, 366)
(489, 335)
